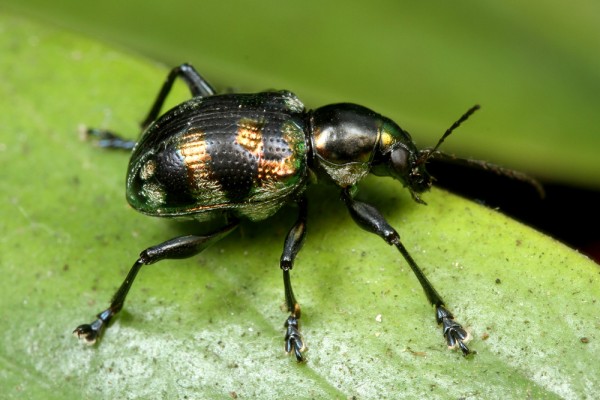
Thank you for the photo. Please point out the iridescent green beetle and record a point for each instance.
(243, 156)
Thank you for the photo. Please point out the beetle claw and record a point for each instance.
(293, 339)
(89, 333)
(456, 336)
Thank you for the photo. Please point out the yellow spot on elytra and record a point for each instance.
(276, 169)
(148, 169)
(196, 158)
(249, 136)
(154, 194)
(194, 149)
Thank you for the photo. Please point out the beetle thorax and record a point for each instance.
(344, 141)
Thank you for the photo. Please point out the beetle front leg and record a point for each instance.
(370, 219)
(292, 245)
(178, 248)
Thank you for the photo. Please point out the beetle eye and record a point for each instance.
(404, 166)
(399, 164)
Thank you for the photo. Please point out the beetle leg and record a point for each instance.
(198, 87)
(177, 248)
(371, 220)
(110, 140)
(292, 245)
(196, 83)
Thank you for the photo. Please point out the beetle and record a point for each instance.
(243, 156)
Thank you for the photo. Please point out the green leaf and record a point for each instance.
(211, 326)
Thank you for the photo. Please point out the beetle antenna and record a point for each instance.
(427, 154)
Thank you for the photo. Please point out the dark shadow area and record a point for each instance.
(568, 214)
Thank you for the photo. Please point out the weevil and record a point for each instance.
(241, 156)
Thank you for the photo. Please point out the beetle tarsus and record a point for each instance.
(293, 338)
(89, 333)
(110, 140)
(455, 334)
(86, 333)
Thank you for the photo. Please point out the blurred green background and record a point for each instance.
(534, 66)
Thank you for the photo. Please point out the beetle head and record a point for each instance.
(404, 162)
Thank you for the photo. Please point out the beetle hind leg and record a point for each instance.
(292, 245)
(195, 82)
(197, 85)
(109, 140)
